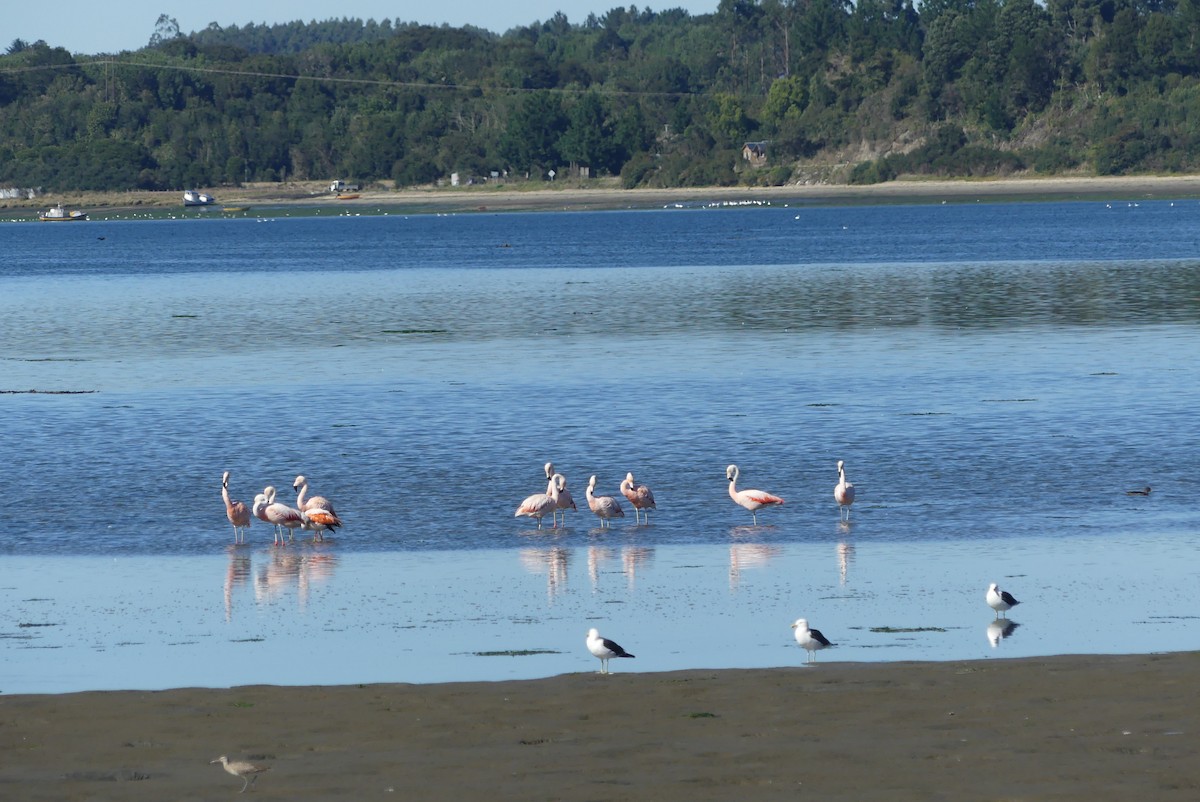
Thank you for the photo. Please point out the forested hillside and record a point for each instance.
(834, 91)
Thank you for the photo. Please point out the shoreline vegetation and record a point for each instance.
(1069, 727)
(575, 197)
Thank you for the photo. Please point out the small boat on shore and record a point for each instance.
(235, 208)
(348, 196)
(193, 198)
(57, 214)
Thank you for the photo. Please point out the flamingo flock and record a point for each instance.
(315, 514)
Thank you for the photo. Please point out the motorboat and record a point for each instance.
(194, 198)
(58, 214)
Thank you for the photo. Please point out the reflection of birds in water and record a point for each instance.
(281, 515)
(811, 639)
(236, 511)
(563, 501)
(1000, 600)
(604, 649)
(246, 771)
(843, 492)
(753, 500)
(554, 562)
(845, 553)
(597, 556)
(286, 569)
(631, 558)
(238, 573)
(1141, 491)
(748, 555)
(999, 629)
(605, 507)
(639, 496)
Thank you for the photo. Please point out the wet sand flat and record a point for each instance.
(1074, 727)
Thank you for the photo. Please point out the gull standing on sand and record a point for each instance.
(843, 493)
(605, 507)
(604, 649)
(236, 511)
(248, 772)
(811, 639)
(1000, 600)
(639, 496)
(753, 500)
(564, 502)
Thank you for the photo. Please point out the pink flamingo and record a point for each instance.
(753, 500)
(259, 511)
(605, 507)
(639, 496)
(565, 502)
(281, 515)
(843, 493)
(537, 505)
(319, 515)
(236, 511)
(313, 503)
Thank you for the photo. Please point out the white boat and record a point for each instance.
(193, 198)
(59, 214)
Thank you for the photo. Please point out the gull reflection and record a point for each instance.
(553, 561)
(999, 629)
(748, 555)
(287, 569)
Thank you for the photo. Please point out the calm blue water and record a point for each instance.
(996, 377)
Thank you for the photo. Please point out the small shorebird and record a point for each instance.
(240, 768)
(843, 493)
(604, 649)
(639, 496)
(753, 500)
(605, 507)
(811, 639)
(1000, 600)
(236, 511)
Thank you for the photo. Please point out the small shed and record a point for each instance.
(755, 153)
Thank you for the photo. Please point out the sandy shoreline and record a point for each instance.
(492, 198)
(1074, 727)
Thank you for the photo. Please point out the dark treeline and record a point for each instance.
(860, 92)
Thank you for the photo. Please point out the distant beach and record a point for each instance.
(578, 198)
(1097, 728)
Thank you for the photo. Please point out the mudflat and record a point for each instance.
(566, 196)
(1058, 728)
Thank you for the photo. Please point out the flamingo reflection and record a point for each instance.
(236, 574)
(845, 555)
(289, 569)
(597, 556)
(632, 558)
(748, 555)
(554, 561)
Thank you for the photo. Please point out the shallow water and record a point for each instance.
(996, 377)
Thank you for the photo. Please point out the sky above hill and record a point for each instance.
(89, 27)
